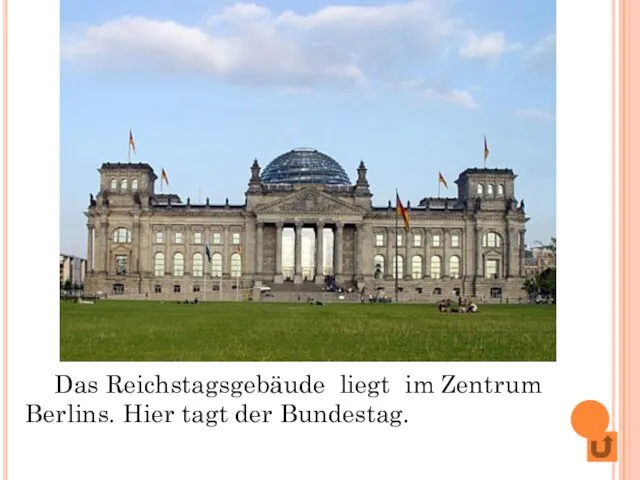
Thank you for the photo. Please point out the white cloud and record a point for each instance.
(487, 46)
(141, 43)
(247, 43)
(534, 114)
(460, 98)
(542, 56)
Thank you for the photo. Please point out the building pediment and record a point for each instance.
(310, 201)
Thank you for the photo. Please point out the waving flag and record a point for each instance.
(401, 211)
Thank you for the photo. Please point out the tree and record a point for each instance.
(547, 282)
(67, 285)
(531, 286)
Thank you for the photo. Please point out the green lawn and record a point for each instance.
(149, 331)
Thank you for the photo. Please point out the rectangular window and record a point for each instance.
(196, 288)
(491, 269)
(399, 240)
(198, 265)
(417, 240)
(158, 289)
(235, 239)
(216, 265)
(217, 238)
(455, 240)
(176, 289)
(158, 266)
(435, 240)
(159, 237)
(178, 237)
(379, 240)
(121, 264)
(197, 237)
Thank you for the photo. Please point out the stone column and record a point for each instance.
(463, 254)
(406, 265)
(207, 240)
(446, 238)
(104, 226)
(356, 250)
(319, 252)
(478, 252)
(137, 246)
(297, 276)
(187, 237)
(391, 242)
(168, 258)
(426, 271)
(259, 247)
(508, 255)
(278, 277)
(521, 251)
(226, 260)
(90, 247)
(337, 254)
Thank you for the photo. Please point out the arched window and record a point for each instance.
(397, 262)
(416, 267)
(454, 267)
(479, 189)
(114, 184)
(123, 184)
(435, 267)
(158, 264)
(500, 189)
(216, 265)
(198, 265)
(491, 239)
(178, 264)
(378, 266)
(490, 189)
(236, 265)
(122, 235)
(134, 185)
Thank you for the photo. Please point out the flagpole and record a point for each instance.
(396, 257)
(439, 187)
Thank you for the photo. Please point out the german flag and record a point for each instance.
(132, 143)
(486, 149)
(442, 180)
(402, 212)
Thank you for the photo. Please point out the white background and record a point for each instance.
(523, 437)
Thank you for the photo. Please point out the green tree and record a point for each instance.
(547, 281)
(531, 286)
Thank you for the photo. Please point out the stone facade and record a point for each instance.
(142, 243)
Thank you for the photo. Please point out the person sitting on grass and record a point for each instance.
(444, 306)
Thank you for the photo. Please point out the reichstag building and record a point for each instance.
(304, 222)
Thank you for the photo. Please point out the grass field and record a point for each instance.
(147, 331)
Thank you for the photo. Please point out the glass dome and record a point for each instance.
(305, 165)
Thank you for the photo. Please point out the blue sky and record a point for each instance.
(410, 87)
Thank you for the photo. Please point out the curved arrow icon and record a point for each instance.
(607, 448)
